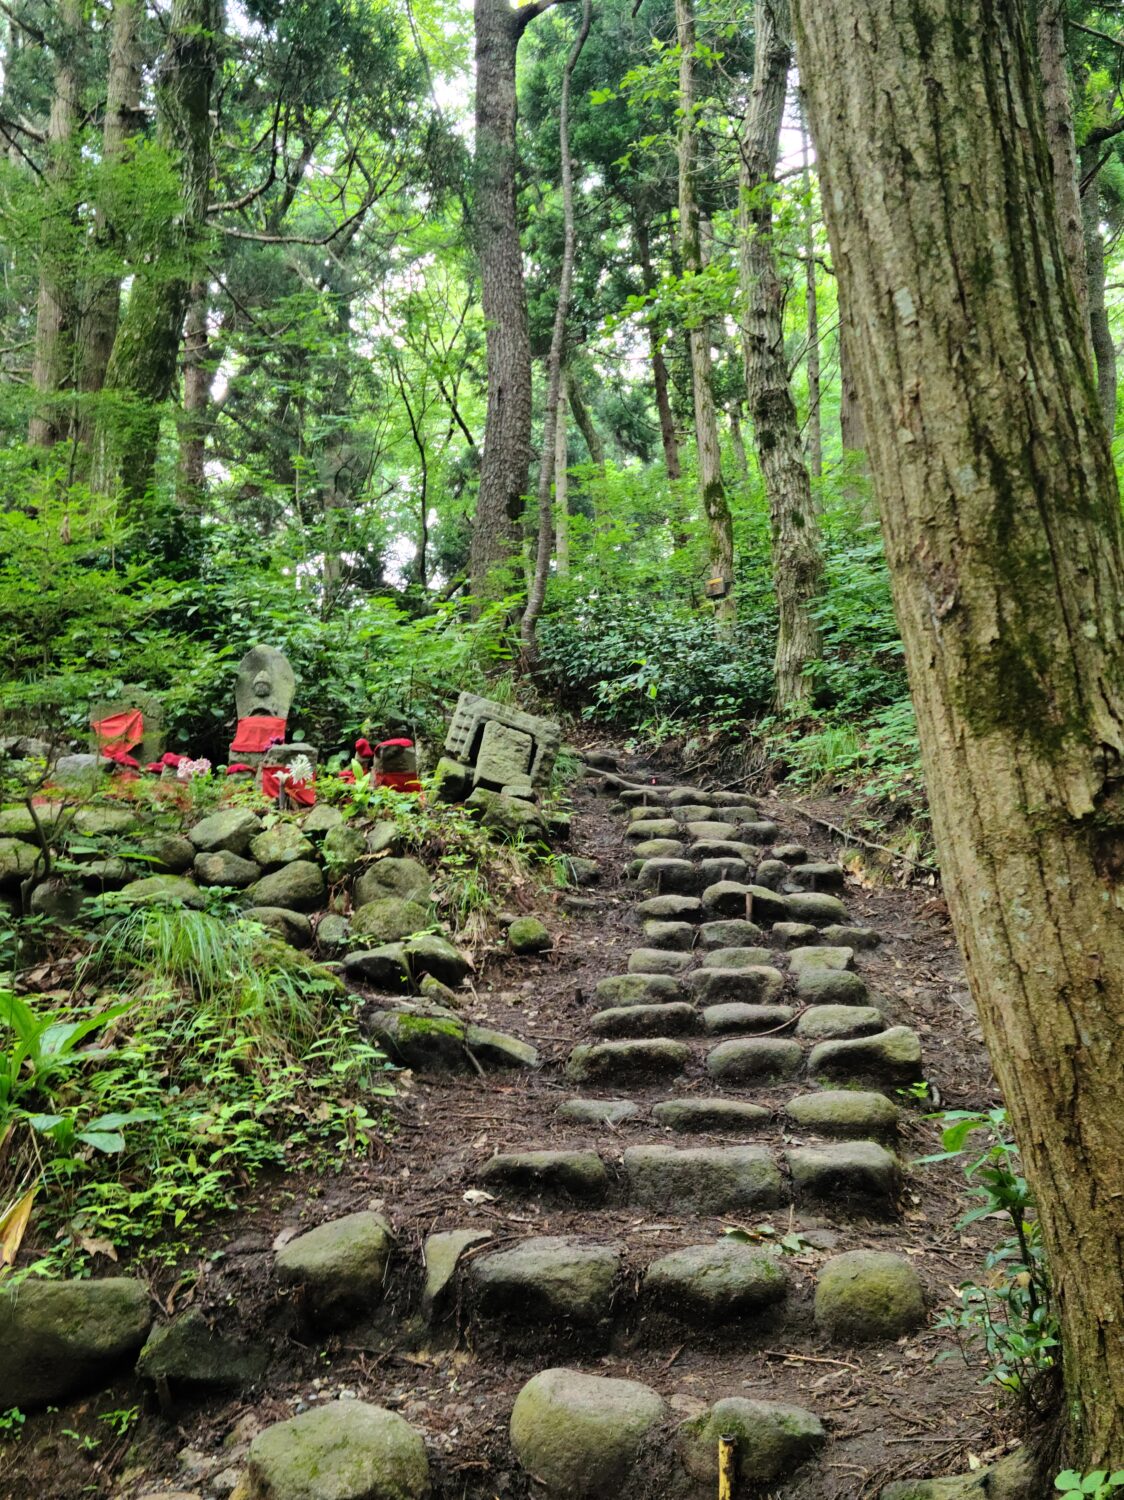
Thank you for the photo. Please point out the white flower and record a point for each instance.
(300, 770)
(187, 770)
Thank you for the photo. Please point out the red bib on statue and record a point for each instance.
(256, 734)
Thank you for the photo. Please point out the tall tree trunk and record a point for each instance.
(811, 303)
(1057, 108)
(506, 460)
(737, 441)
(797, 560)
(56, 312)
(102, 294)
(1104, 347)
(196, 398)
(561, 491)
(1002, 524)
(142, 366)
(585, 422)
(659, 365)
(711, 489)
(555, 401)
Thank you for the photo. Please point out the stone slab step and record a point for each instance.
(655, 1020)
(845, 1112)
(855, 1174)
(735, 1016)
(639, 989)
(710, 1115)
(615, 1062)
(706, 1180)
(577, 1176)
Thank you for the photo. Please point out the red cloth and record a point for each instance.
(400, 781)
(303, 793)
(363, 750)
(257, 733)
(168, 760)
(119, 758)
(386, 744)
(119, 731)
(237, 767)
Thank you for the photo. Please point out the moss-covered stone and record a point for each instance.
(292, 926)
(280, 845)
(598, 1111)
(728, 898)
(706, 1180)
(605, 1062)
(578, 1176)
(861, 1174)
(734, 1016)
(645, 828)
(340, 1266)
(581, 1435)
(99, 821)
(644, 1020)
(722, 1280)
(868, 1294)
(407, 879)
(495, 1049)
(639, 989)
(333, 934)
(772, 1440)
(763, 1059)
(658, 961)
(231, 829)
(818, 956)
(223, 868)
(544, 1279)
(59, 1337)
(1015, 1477)
(670, 908)
(823, 1022)
(528, 935)
(298, 886)
(17, 860)
(423, 1041)
(386, 967)
(171, 890)
(388, 920)
(893, 1056)
(729, 932)
(817, 909)
(339, 1450)
(342, 850)
(321, 820)
(817, 986)
(668, 875)
(736, 958)
(677, 935)
(844, 1112)
(435, 955)
(169, 853)
(442, 1255)
(708, 1115)
(189, 1354)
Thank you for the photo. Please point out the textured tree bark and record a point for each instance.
(142, 365)
(561, 492)
(1057, 108)
(811, 303)
(555, 400)
(737, 441)
(506, 460)
(1003, 534)
(712, 491)
(660, 380)
(102, 293)
(585, 422)
(794, 530)
(196, 399)
(56, 312)
(1104, 347)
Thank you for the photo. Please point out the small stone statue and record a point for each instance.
(263, 696)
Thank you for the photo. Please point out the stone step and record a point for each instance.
(704, 1115)
(577, 1176)
(639, 989)
(651, 1020)
(615, 1062)
(737, 1016)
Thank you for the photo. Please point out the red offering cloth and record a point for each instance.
(237, 768)
(386, 744)
(400, 781)
(303, 793)
(257, 733)
(119, 731)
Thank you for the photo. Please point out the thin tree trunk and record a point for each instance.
(142, 366)
(561, 491)
(585, 422)
(506, 459)
(554, 364)
(56, 312)
(102, 296)
(737, 441)
(196, 398)
(659, 364)
(711, 489)
(1002, 524)
(797, 559)
(1057, 108)
(811, 303)
(1104, 346)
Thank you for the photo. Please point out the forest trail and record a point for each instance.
(577, 1215)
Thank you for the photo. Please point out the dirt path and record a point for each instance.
(740, 1029)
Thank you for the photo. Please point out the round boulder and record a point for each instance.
(341, 1265)
(342, 1450)
(867, 1295)
(771, 1440)
(580, 1435)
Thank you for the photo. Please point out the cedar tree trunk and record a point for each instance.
(1002, 525)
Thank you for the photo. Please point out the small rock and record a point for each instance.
(718, 1281)
(605, 1062)
(772, 1440)
(79, 770)
(580, 1176)
(529, 935)
(434, 955)
(170, 890)
(580, 871)
(333, 933)
(705, 850)
(694, 812)
(792, 854)
(293, 926)
(861, 1174)
(298, 886)
(442, 1256)
(706, 1180)
(232, 829)
(728, 898)
(750, 832)
(709, 1115)
(644, 1020)
(851, 937)
(495, 1049)
(676, 876)
(433, 990)
(771, 873)
(321, 820)
(714, 871)
(708, 830)
(844, 1112)
(425, 1040)
(651, 828)
(639, 989)
(814, 908)
(736, 958)
(1015, 1477)
(737, 1017)
(98, 822)
(765, 1059)
(580, 1435)
(802, 959)
(171, 853)
(660, 849)
(818, 875)
(339, 1450)
(280, 845)
(545, 1278)
(59, 1337)
(893, 1057)
(671, 909)
(388, 920)
(793, 934)
(831, 987)
(658, 961)
(57, 899)
(340, 1265)
(866, 1295)
(734, 932)
(384, 838)
(598, 1111)
(223, 868)
(820, 1022)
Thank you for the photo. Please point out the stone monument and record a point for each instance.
(263, 695)
(498, 748)
(132, 722)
